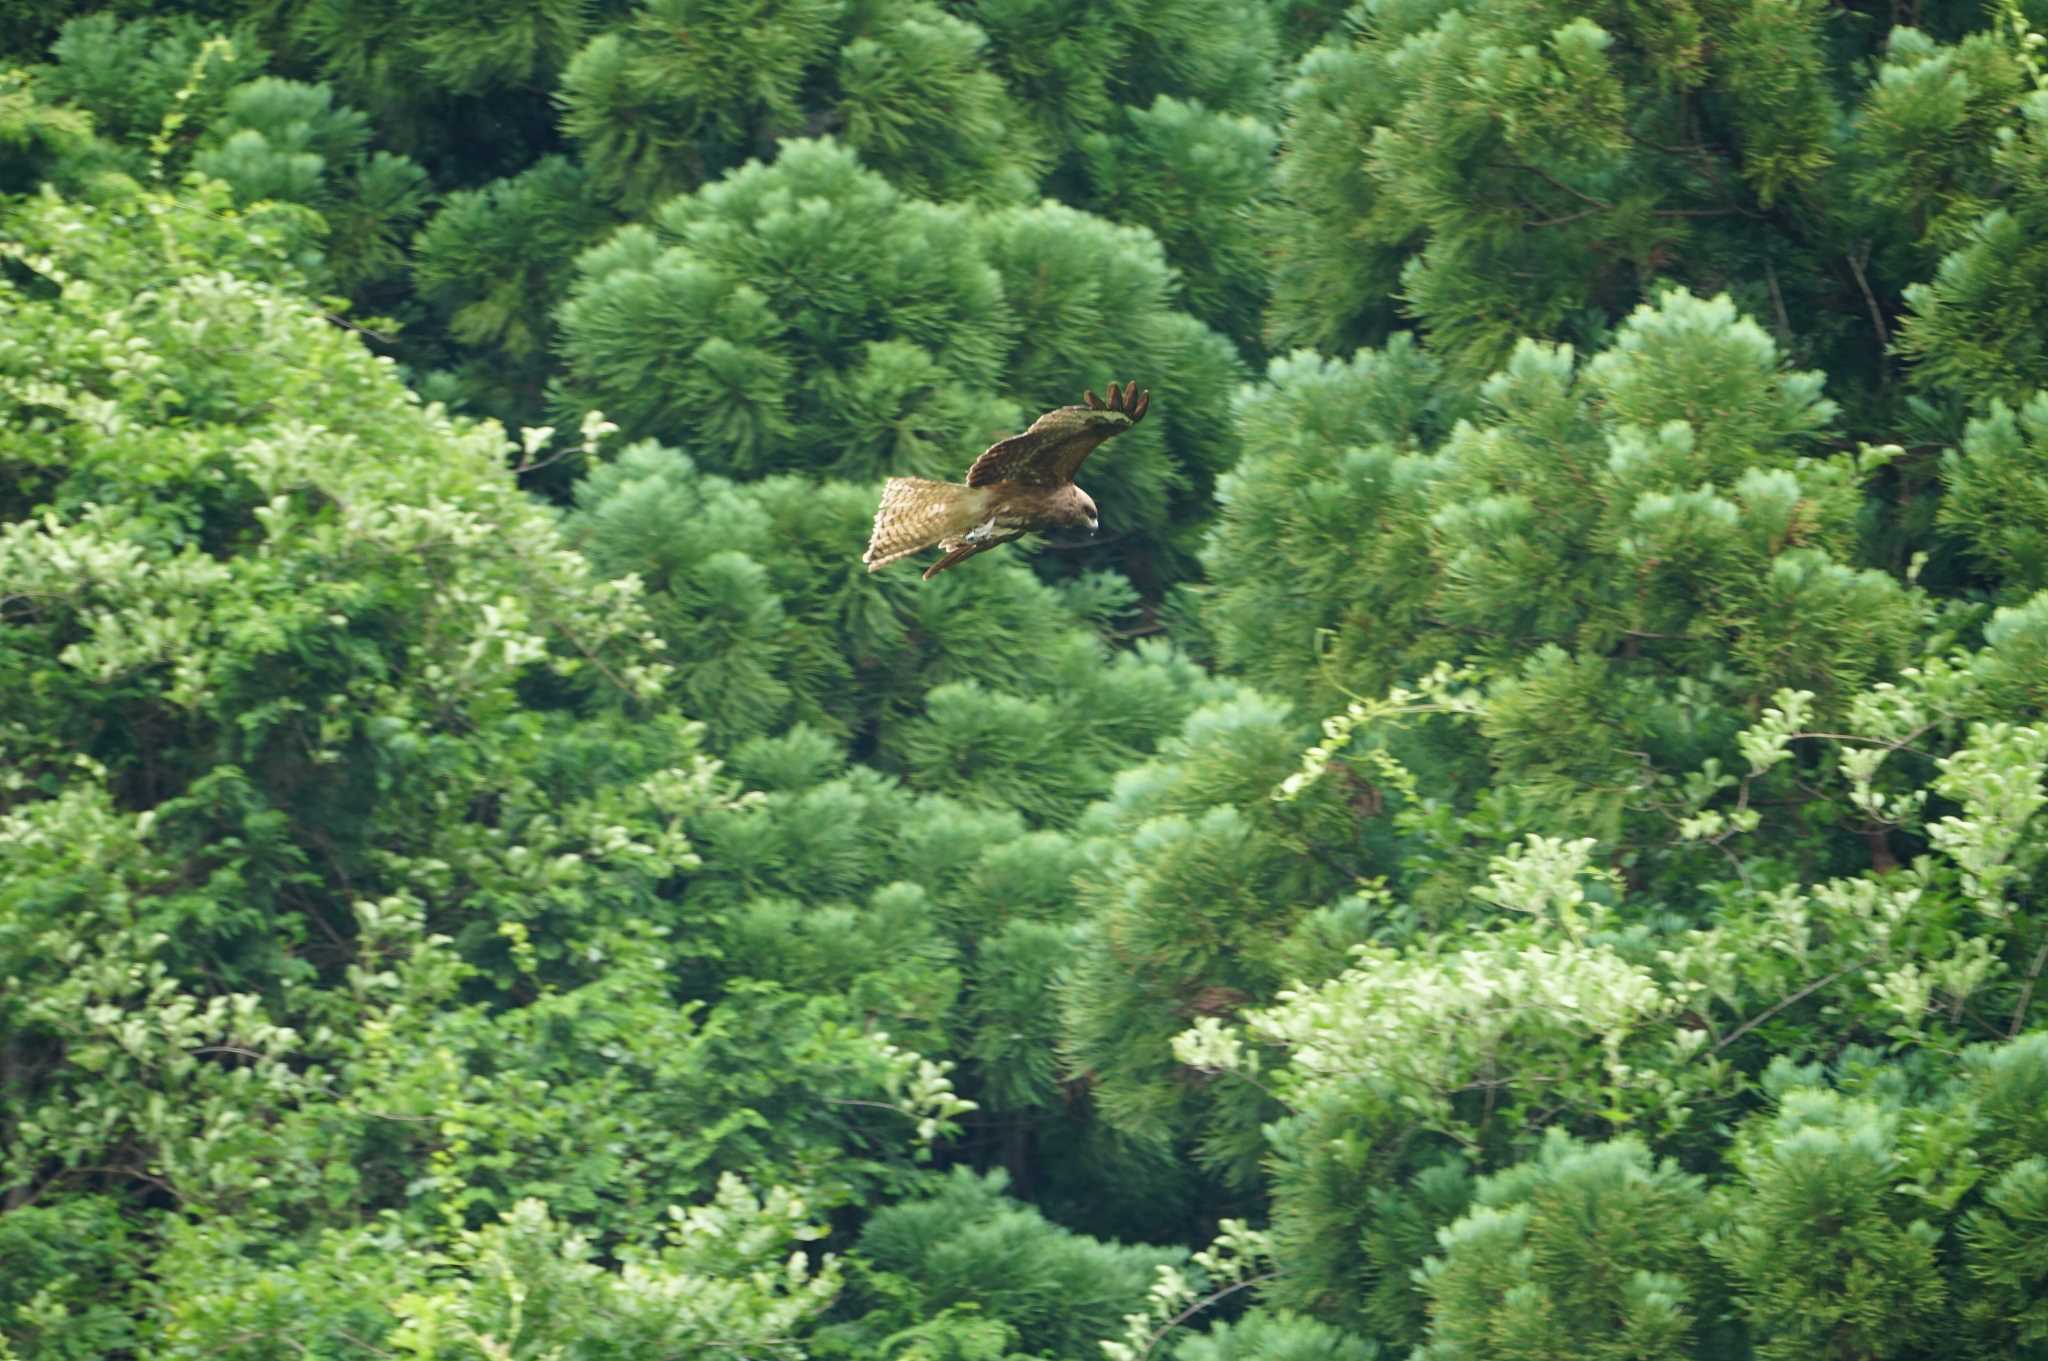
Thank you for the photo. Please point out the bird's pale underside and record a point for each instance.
(1021, 485)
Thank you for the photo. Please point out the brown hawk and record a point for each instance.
(1020, 485)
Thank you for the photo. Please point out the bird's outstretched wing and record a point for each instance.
(1057, 443)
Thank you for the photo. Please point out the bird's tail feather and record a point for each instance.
(917, 513)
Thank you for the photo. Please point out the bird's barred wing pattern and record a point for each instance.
(1058, 442)
(915, 514)
(1030, 456)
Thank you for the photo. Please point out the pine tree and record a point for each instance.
(43, 143)
(385, 51)
(1995, 497)
(685, 89)
(1277, 1336)
(131, 75)
(494, 262)
(1650, 512)
(172, 93)
(1197, 179)
(1199, 885)
(1326, 522)
(1826, 1249)
(283, 140)
(1581, 1251)
(920, 105)
(1975, 329)
(966, 1246)
(1499, 171)
(466, 91)
(2001, 1291)
(1073, 64)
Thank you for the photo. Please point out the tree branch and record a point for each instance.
(2019, 1010)
(1809, 990)
(1856, 260)
(1198, 1306)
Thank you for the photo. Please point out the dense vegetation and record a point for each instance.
(1523, 838)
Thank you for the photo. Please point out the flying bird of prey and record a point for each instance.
(1019, 486)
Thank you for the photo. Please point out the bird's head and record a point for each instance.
(1087, 509)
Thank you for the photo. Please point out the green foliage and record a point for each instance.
(1336, 260)
(492, 262)
(171, 93)
(1190, 908)
(1054, 1291)
(1674, 462)
(1086, 296)
(380, 49)
(283, 140)
(465, 89)
(131, 75)
(1196, 179)
(1277, 1336)
(848, 366)
(1825, 1249)
(1072, 63)
(1997, 493)
(767, 620)
(1583, 1250)
(1524, 834)
(70, 1268)
(39, 142)
(524, 1284)
(1325, 523)
(2003, 1238)
(1975, 330)
(1499, 171)
(685, 88)
(920, 105)
(2002, 1245)
(345, 818)
(1927, 139)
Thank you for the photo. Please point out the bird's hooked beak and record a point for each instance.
(1093, 524)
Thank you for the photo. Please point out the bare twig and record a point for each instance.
(1581, 195)
(1568, 217)
(335, 319)
(2019, 1011)
(1198, 1306)
(532, 463)
(1809, 990)
(855, 1101)
(1856, 261)
(1778, 302)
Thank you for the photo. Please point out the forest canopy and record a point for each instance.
(1522, 837)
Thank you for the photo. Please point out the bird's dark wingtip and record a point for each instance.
(1126, 399)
